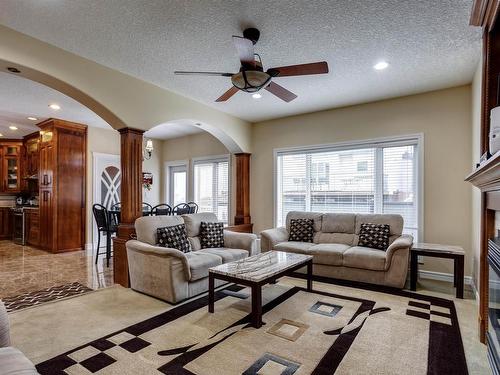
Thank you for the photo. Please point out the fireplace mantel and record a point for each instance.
(487, 176)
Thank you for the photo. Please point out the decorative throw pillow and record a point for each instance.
(211, 235)
(375, 236)
(301, 230)
(174, 237)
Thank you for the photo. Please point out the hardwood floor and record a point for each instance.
(26, 269)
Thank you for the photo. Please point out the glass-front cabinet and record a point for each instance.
(11, 168)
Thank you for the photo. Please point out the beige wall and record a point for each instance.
(476, 152)
(187, 148)
(444, 117)
(107, 141)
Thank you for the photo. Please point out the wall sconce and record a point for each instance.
(148, 150)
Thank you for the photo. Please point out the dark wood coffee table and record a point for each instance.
(256, 271)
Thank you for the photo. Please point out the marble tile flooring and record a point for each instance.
(26, 269)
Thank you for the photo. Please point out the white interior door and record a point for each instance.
(106, 182)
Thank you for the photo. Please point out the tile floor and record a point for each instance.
(26, 269)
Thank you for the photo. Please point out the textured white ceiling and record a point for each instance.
(427, 42)
(20, 98)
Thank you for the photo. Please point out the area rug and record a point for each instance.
(30, 299)
(304, 333)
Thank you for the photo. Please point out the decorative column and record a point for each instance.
(131, 199)
(242, 217)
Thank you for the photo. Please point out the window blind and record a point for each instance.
(369, 178)
(211, 187)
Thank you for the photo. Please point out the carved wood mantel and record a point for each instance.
(486, 178)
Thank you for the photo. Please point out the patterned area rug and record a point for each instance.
(304, 333)
(30, 299)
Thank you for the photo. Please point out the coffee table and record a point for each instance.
(256, 271)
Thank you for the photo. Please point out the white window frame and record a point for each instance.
(176, 163)
(213, 159)
(402, 140)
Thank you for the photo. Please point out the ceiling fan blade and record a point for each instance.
(233, 90)
(281, 92)
(181, 72)
(245, 50)
(299, 70)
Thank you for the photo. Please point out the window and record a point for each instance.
(211, 186)
(378, 177)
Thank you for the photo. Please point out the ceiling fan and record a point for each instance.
(252, 77)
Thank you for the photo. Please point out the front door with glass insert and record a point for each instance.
(177, 190)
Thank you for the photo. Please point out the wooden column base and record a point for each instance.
(120, 260)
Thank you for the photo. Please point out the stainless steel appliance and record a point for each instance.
(18, 226)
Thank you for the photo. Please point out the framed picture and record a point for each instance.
(147, 180)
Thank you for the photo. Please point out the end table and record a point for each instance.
(438, 251)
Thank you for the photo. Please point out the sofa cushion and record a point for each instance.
(4, 326)
(316, 216)
(375, 236)
(146, 226)
(338, 223)
(395, 222)
(294, 247)
(342, 238)
(174, 237)
(199, 263)
(301, 230)
(365, 258)
(12, 361)
(329, 254)
(211, 235)
(193, 222)
(226, 254)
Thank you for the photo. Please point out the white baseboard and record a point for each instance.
(441, 276)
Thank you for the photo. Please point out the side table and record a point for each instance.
(438, 251)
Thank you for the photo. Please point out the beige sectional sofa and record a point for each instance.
(12, 361)
(335, 251)
(170, 274)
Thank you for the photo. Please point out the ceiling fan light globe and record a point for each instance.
(250, 80)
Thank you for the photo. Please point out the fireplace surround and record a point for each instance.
(493, 332)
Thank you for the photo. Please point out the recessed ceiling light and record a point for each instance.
(55, 107)
(381, 65)
(12, 127)
(32, 118)
(256, 95)
(1, 135)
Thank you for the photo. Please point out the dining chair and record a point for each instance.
(162, 209)
(146, 209)
(193, 207)
(181, 209)
(104, 225)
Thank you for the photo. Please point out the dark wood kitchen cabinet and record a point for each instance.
(62, 185)
(32, 225)
(5, 223)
